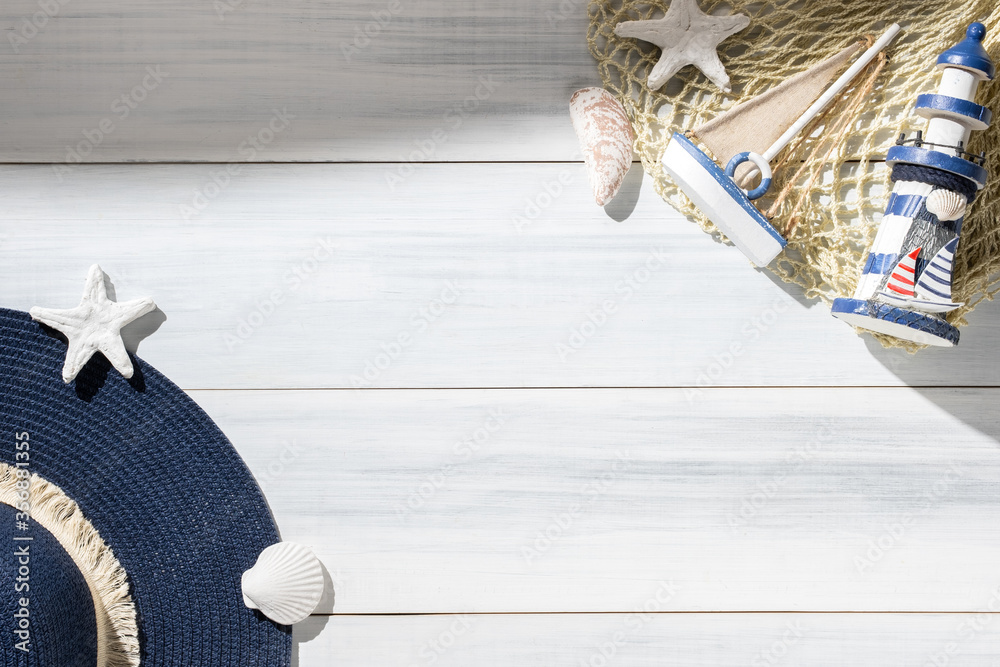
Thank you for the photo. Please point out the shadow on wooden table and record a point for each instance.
(621, 207)
(309, 629)
(306, 631)
(960, 380)
(932, 371)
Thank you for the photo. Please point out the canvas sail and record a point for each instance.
(932, 292)
(902, 279)
(756, 124)
(935, 281)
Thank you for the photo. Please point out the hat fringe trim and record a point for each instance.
(51, 508)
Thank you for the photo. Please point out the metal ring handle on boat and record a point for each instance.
(761, 164)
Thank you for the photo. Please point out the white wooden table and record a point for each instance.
(518, 429)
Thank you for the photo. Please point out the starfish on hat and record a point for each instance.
(94, 326)
(686, 36)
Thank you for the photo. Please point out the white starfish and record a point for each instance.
(686, 36)
(94, 326)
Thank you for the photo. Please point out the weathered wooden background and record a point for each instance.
(519, 429)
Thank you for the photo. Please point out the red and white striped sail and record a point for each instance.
(902, 280)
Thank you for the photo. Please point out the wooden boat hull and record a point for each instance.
(725, 204)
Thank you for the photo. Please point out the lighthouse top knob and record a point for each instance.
(969, 54)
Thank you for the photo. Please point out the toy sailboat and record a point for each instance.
(931, 292)
(935, 178)
(755, 132)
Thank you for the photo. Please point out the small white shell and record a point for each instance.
(946, 205)
(606, 137)
(285, 584)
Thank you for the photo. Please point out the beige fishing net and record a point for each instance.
(834, 180)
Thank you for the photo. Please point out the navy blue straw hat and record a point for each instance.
(143, 519)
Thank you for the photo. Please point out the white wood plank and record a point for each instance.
(528, 300)
(581, 500)
(459, 81)
(685, 640)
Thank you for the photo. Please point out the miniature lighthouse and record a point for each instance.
(905, 285)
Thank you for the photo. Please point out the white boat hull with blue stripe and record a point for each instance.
(923, 305)
(725, 204)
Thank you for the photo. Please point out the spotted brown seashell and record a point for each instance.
(606, 137)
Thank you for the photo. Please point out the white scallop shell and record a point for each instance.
(285, 584)
(606, 137)
(946, 205)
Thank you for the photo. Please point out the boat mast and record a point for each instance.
(835, 89)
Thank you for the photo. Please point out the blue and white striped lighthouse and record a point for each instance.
(905, 285)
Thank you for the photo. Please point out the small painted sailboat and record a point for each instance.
(931, 293)
(747, 138)
(899, 289)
